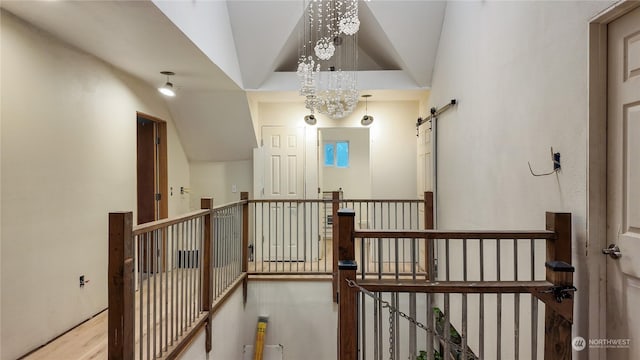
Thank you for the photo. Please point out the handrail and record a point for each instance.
(230, 204)
(340, 200)
(454, 287)
(159, 224)
(253, 201)
(455, 235)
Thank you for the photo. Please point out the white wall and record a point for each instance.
(354, 180)
(68, 157)
(228, 329)
(392, 136)
(227, 333)
(216, 180)
(519, 70)
(302, 317)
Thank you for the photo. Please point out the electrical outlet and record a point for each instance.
(556, 161)
(82, 281)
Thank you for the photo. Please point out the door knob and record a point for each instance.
(613, 250)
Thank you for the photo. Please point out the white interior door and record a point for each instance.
(425, 160)
(623, 187)
(284, 179)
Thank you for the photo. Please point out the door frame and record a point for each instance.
(597, 168)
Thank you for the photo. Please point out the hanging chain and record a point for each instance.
(393, 310)
(390, 333)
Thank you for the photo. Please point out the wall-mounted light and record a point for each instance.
(366, 119)
(167, 88)
(310, 119)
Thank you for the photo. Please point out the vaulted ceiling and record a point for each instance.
(230, 54)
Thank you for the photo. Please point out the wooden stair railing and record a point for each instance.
(555, 291)
(428, 218)
(122, 280)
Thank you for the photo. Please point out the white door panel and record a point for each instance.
(284, 154)
(623, 184)
(629, 237)
(283, 179)
(425, 171)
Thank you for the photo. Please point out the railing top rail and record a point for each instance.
(231, 204)
(461, 234)
(290, 200)
(455, 287)
(159, 224)
(384, 200)
(340, 200)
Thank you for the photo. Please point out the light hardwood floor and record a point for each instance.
(89, 339)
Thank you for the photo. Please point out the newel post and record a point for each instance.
(244, 196)
(207, 300)
(428, 210)
(335, 206)
(347, 295)
(121, 318)
(559, 310)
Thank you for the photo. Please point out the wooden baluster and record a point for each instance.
(347, 296)
(121, 321)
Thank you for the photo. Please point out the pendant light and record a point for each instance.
(310, 119)
(167, 88)
(366, 119)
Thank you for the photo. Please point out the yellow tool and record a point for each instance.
(260, 333)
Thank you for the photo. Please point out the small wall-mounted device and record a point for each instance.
(555, 157)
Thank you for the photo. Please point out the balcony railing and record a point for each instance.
(296, 236)
(431, 294)
(419, 294)
(166, 277)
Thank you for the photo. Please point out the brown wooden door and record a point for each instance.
(151, 188)
(146, 171)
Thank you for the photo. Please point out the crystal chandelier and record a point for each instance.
(328, 57)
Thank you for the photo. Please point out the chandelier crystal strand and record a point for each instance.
(324, 48)
(308, 69)
(328, 57)
(349, 22)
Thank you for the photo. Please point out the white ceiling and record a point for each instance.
(223, 51)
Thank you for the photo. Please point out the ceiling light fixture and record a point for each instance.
(310, 119)
(366, 119)
(167, 88)
(328, 57)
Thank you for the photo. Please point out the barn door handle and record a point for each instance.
(613, 250)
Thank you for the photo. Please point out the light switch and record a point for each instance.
(234, 188)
